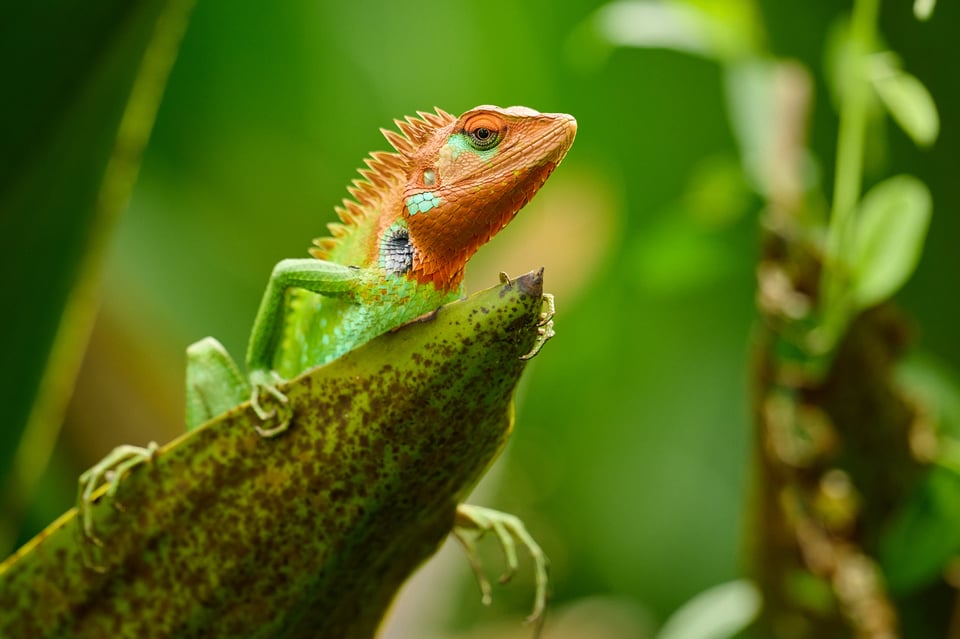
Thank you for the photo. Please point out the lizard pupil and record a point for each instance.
(482, 133)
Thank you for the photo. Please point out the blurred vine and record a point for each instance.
(845, 440)
(853, 487)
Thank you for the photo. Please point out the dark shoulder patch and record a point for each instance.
(396, 250)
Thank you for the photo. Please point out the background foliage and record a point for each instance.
(631, 458)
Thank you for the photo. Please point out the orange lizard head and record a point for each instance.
(452, 185)
(468, 177)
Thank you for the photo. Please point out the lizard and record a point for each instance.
(398, 252)
(412, 221)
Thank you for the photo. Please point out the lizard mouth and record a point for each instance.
(551, 146)
(567, 126)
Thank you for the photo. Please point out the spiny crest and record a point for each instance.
(416, 131)
(383, 170)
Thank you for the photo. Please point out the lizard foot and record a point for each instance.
(544, 326)
(477, 520)
(110, 470)
(264, 384)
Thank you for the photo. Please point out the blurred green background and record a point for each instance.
(631, 458)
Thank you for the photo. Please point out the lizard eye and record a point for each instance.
(484, 131)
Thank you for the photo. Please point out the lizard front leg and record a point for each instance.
(215, 385)
(316, 276)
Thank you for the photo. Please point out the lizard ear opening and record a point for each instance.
(396, 250)
(429, 177)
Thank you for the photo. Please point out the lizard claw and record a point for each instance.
(262, 381)
(111, 469)
(506, 528)
(544, 326)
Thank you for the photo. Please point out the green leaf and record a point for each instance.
(889, 232)
(751, 87)
(906, 99)
(225, 533)
(937, 388)
(925, 534)
(923, 9)
(718, 30)
(716, 613)
(838, 67)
